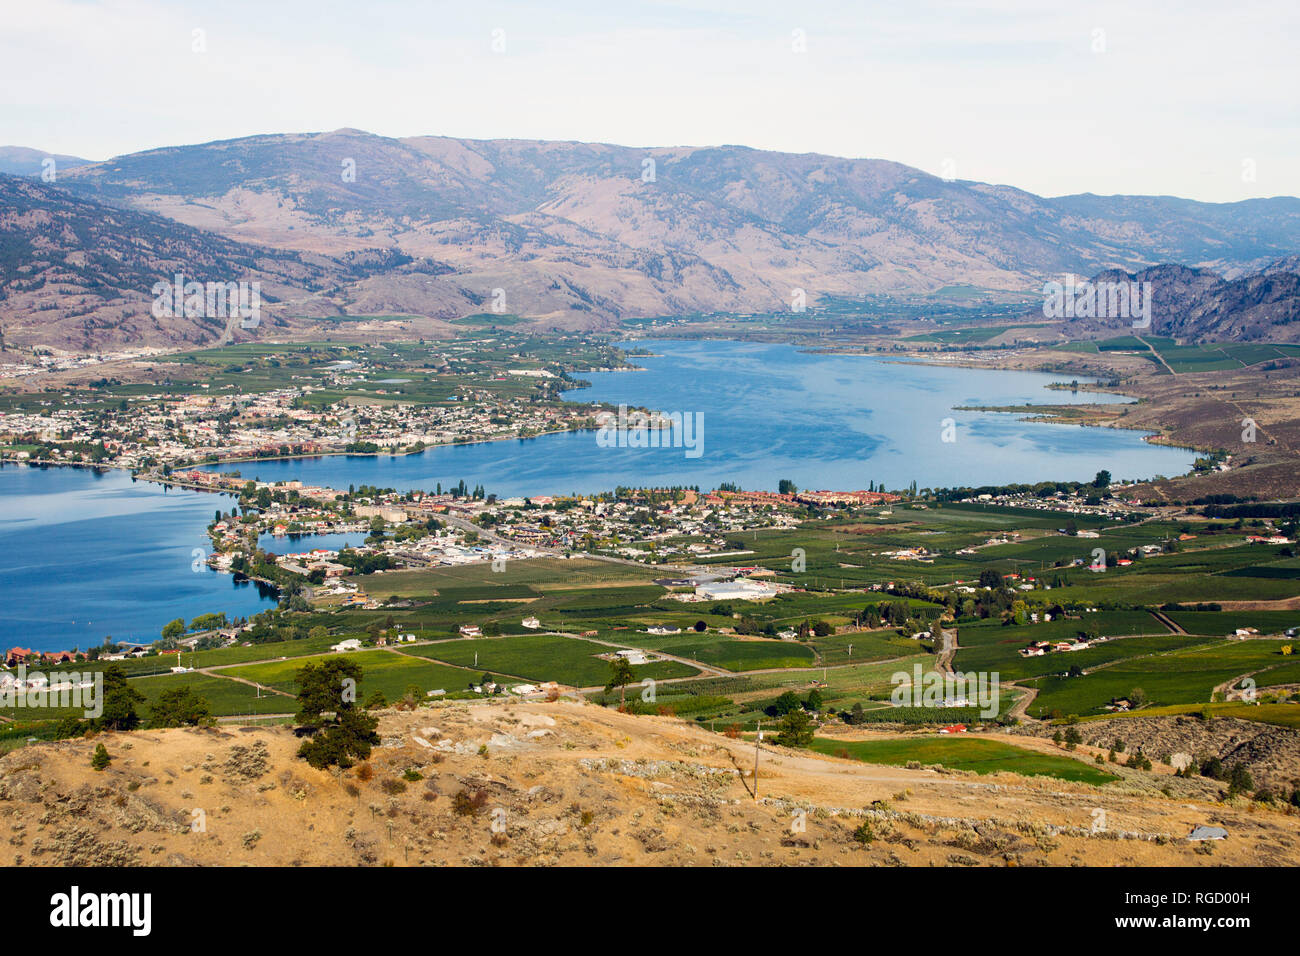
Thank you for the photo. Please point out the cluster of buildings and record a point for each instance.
(161, 429)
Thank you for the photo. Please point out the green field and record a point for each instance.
(732, 655)
(960, 752)
(383, 671)
(1186, 676)
(542, 657)
(1203, 357)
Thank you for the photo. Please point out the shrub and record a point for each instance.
(101, 759)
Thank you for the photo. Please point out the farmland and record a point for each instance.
(964, 753)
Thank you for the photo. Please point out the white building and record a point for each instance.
(735, 591)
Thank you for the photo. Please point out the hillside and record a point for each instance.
(1198, 305)
(78, 273)
(562, 783)
(576, 234)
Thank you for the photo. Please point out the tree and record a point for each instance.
(787, 703)
(1019, 612)
(173, 629)
(119, 700)
(101, 759)
(815, 702)
(1240, 780)
(1102, 480)
(179, 707)
(787, 487)
(796, 729)
(620, 676)
(340, 732)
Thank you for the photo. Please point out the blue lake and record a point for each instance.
(771, 412)
(86, 555)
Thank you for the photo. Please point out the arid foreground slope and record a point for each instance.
(564, 783)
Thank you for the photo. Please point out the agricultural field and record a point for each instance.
(1184, 676)
(384, 671)
(733, 655)
(1205, 357)
(542, 657)
(960, 752)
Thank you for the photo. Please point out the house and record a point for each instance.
(351, 644)
(531, 623)
(471, 630)
(954, 729)
(633, 656)
(660, 630)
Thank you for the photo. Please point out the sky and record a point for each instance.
(1194, 99)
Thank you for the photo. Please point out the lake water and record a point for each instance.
(771, 412)
(85, 555)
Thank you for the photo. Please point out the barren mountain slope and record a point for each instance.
(605, 231)
(572, 784)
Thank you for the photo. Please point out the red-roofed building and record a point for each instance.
(19, 655)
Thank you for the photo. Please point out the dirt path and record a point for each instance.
(1167, 621)
(947, 650)
(211, 672)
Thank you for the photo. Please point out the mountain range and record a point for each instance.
(575, 235)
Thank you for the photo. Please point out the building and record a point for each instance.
(471, 630)
(735, 591)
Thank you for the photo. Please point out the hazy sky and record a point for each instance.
(1198, 99)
